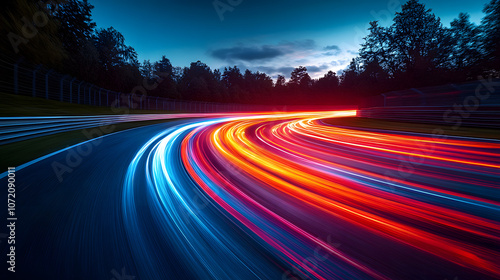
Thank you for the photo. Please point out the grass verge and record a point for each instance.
(12, 105)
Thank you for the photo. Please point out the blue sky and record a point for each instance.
(269, 36)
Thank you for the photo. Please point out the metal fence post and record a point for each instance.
(47, 84)
(71, 90)
(86, 95)
(16, 76)
(100, 89)
(34, 80)
(79, 85)
(107, 98)
(61, 87)
(90, 94)
(84, 92)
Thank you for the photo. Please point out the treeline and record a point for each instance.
(416, 50)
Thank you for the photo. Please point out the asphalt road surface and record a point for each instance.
(260, 197)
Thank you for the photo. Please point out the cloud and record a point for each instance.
(332, 48)
(255, 53)
(283, 57)
(286, 70)
(247, 53)
(340, 62)
(317, 69)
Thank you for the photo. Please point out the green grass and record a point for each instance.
(17, 153)
(414, 127)
(12, 105)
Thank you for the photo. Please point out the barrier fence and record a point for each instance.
(472, 104)
(23, 78)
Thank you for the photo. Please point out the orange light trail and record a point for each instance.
(291, 179)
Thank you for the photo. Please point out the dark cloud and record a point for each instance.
(253, 53)
(247, 53)
(285, 70)
(332, 50)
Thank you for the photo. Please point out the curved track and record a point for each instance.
(262, 197)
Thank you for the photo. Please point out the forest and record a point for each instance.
(416, 50)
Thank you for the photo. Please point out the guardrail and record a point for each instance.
(13, 129)
(471, 104)
(445, 95)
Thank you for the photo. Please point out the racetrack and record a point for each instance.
(282, 196)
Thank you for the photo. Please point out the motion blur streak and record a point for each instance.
(286, 196)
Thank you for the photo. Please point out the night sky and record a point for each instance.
(269, 36)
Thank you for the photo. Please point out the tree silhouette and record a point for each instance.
(112, 50)
(299, 78)
(147, 69)
(22, 38)
(420, 43)
(166, 79)
(350, 76)
(119, 65)
(75, 24)
(415, 50)
(491, 37)
(280, 81)
(376, 49)
(233, 81)
(466, 50)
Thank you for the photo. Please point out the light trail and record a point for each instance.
(293, 184)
